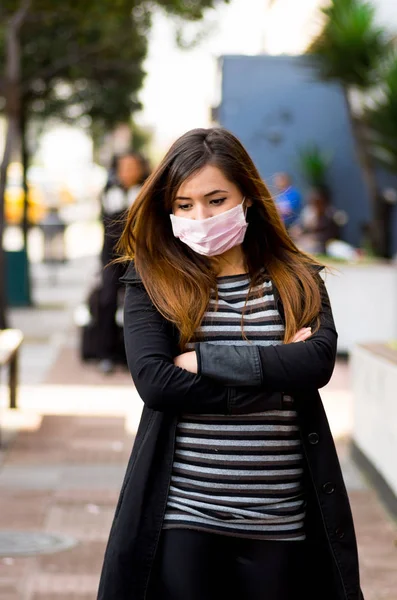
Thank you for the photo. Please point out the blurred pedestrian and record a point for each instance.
(288, 199)
(123, 186)
(317, 223)
(229, 492)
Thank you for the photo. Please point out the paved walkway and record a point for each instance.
(67, 449)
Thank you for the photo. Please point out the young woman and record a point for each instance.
(125, 181)
(233, 489)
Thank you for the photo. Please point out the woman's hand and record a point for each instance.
(302, 335)
(187, 361)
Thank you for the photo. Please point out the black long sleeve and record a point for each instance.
(286, 367)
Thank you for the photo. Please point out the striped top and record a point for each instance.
(239, 475)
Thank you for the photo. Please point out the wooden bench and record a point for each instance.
(10, 342)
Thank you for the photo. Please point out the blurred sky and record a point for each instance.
(181, 86)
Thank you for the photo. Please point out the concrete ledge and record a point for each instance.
(374, 378)
(375, 478)
(364, 301)
(383, 350)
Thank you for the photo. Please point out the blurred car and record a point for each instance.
(41, 195)
(14, 198)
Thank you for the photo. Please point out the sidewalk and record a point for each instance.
(67, 450)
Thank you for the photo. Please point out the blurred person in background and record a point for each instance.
(288, 199)
(124, 183)
(112, 178)
(229, 491)
(317, 224)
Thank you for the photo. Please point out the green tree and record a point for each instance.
(382, 119)
(350, 50)
(73, 60)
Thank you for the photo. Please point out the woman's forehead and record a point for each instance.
(206, 180)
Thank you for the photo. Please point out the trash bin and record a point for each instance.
(17, 277)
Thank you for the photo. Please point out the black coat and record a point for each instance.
(166, 390)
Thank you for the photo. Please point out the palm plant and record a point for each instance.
(350, 49)
(314, 164)
(382, 119)
(351, 46)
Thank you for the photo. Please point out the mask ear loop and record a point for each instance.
(245, 208)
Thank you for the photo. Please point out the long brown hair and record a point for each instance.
(180, 281)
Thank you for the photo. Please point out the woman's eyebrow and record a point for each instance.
(215, 192)
(205, 195)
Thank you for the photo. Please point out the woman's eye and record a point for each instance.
(218, 201)
(184, 206)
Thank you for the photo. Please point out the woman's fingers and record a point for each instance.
(302, 335)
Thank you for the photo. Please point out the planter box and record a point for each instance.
(364, 302)
(374, 373)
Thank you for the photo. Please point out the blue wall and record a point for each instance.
(275, 105)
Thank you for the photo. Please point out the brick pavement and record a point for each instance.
(86, 457)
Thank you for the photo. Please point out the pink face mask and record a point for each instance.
(212, 236)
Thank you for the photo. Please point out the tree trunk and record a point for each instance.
(3, 180)
(378, 226)
(25, 216)
(25, 165)
(12, 89)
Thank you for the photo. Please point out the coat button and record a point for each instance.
(328, 488)
(339, 533)
(313, 438)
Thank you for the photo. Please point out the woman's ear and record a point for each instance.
(248, 202)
